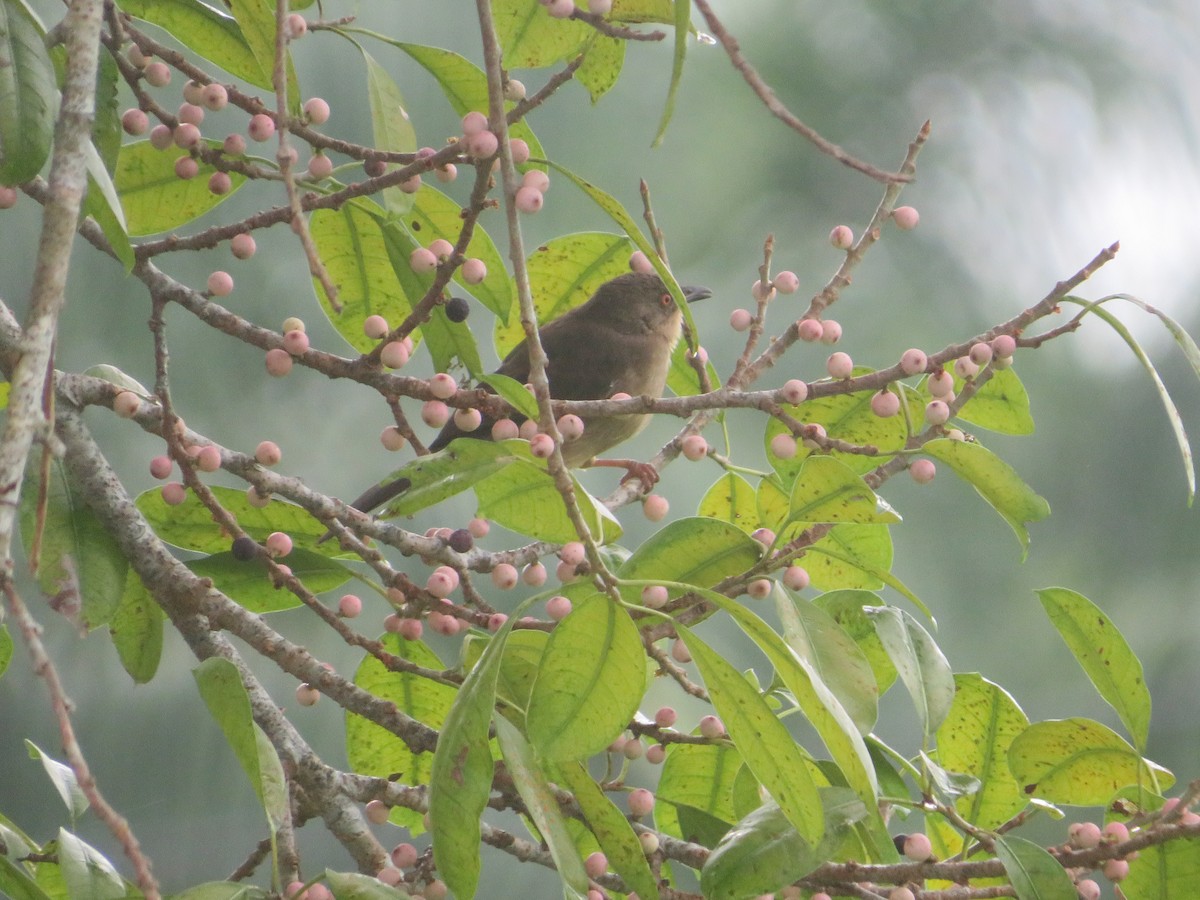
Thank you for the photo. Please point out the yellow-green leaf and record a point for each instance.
(827, 490)
(731, 499)
(154, 198)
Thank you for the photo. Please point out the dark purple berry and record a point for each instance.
(244, 549)
(461, 541)
(457, 309)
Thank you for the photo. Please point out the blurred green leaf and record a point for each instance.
(1001, 405)
(461, 779)
(137, 630)
(106, 129)
(1080, 762)
(693, 550)
(220, 685)
(601, 65)
(920, 662)
(698, 781)
(104, 206)
(530, 39)
(683, 20)
(460, 466)
(86, 871)
(357, 886)
(1105, 655)
(80, 562)
(373, 750)
(28, 94)
(6, 647)
(995, 481)
(847, 609)
(248, 583)
(1034, 873)
(154, 198)
(390, 124)
(519, 666)
(590, 681)
(63, 778)
(731, 499)
(210, 33)
(1169, 871)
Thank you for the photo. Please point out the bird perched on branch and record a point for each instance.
(619, 340)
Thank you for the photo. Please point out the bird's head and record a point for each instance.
(638, 303)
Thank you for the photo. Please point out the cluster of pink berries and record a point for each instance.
(785, 282)
(425, 259)
(564, 9)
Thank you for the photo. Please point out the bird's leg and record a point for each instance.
(643, 471)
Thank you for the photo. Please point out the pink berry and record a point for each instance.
(279, 362)
(268, 453)
(350, 606)
(208, 459)
(965, 367)
(679, 652)
(278, 543)
(634, 749)
(570, 427)
(443, 386)
(320, 166)
(711, 727)
(161, 467)
(1084, 835)
(468, 419)
(905, 217)
(220, 183)
(157, 74)
(917, 847)
(595, 865)
(435, 413)
(783, 446)
(126, 404)
(695, 447)
(441, 248)
(810, 330)
(440, 583)
(655, 507)
(519, 150)
(913, 361)
(1116, 870)
(161, 137)
(294, 26)
(220, 284)
(422, 260)
(981, 353)
(831, 332)
(295, 342)
(922, 471)
(901, 893)
(842, 237)
(794, 391)
(655, 596)
(496, 622)
(528, 429)
(787, 282)
(193, 91)
(261, 127)
(214, 97)
(639, 262)
(764, 536)
(474, 122)
(392, 439)
(394, 354)
(558, 608)
(813, 433)
(474, 271)
(135, 122)
(190, 113)
(1087, 889)
(600, 7)
(759, 588)
(572, 552)
(760, 292)
(561, 9)
(504, 576)
(1116, 832)
(377, 812)
(233, 145)
(242, 246)
(641, 802)
(740, 319)
(1004, 345)
(446, 173)
(410, 629)
(404, 856)
(840, 365)
(505, 430)
(307, 695)
(534, 574)
(796, 578)
(940, 384)
(529, 199)
(541, 446)
(135, 56)
(317, 110)
(254, 498)
(173, 493)
(375, 327)
(479, 527)
(186, 168)
(186, 135)
(483, 144)
(937, 412)
(536, 178)
(885, 404)
(665, 717)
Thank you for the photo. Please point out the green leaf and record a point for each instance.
(524, 498)
(515, 393)
(995, 481)
(1034, 873)
(612, 830)
(104, 206)
(762, 740)
(827, 490)
(1001, 405)
(15, 883)
(850, 556)
(28, 94)
(974, 739)
(6, 648)
(541, 804)
(86, 871)
(461, 779)
(106, 129)
(683, 382)
(519, 667)
(249, 585)
(356, 886)
(63, 778)
(1105, 655)
(920, 662)
(601, 65)
(833, 655)
(847, 607)
(1169, 871)
(876, 575)
(373, 750)
(137, 630)
(1080, 762)
(154, 198)
(257, 23)
(590, 681)
(211, 34)
(699, 784)
(221, 687)
(79, 558)
(460, 466)
(530, 39)
(695, 551)
(731, 499)
(683, 19)
(563, 274)
(227, 890)
(392, 129)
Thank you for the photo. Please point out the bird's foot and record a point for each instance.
(643, 471)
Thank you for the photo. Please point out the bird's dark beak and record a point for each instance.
(692, 293)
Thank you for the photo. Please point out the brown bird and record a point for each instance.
(619, 340)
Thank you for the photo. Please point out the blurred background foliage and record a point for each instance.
(1059, 126)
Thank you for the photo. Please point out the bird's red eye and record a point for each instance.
(666, 299)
